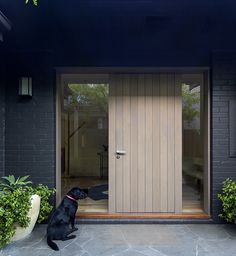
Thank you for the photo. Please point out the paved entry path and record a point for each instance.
(134, 240)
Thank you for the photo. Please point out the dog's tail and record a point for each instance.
(52, 244)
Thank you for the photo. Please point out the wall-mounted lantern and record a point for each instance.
(25, 86)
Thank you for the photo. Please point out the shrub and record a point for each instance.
(228, 199)
(14, 207)
(45, 208)
(15, 204)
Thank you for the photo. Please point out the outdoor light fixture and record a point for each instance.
(25, 86)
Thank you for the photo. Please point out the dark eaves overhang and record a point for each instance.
(5, 25)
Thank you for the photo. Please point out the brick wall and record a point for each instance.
(2, 122)
(223, 90)
(30, 123)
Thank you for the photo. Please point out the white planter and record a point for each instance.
(33, 214)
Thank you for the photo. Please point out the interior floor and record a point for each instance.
(191, 197)
(192, 202)
(88, 204)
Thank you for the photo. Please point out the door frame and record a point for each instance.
(65, 74)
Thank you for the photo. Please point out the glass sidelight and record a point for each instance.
(193, 142)
(85, 143)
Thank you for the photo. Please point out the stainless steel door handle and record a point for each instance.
(120, 152)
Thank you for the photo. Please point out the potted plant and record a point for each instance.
(228, 199)
(21, 205)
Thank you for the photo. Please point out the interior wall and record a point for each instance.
(85, 144)
(190, 138)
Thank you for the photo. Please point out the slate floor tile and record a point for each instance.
(133, 240)
(212, 232)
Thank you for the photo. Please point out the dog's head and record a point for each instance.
(77, 193)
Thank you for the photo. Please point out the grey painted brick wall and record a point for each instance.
(30, 123)
(2, 121)
(223, 90)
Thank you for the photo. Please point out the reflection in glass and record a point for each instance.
(85, 143)
(192, 164)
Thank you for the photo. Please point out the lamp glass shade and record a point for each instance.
(25, 86)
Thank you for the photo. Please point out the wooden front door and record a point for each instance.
(145, 143)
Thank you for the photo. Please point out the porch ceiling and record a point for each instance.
(119, 33)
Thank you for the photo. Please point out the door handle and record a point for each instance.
(120, 153)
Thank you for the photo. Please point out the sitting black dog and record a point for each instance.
(63, 217)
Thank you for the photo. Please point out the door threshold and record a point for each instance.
(97, 215)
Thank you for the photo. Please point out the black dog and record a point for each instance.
(63, 217)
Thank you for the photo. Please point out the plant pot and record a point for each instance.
(33, 214)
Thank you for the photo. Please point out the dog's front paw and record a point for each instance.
(75, 229)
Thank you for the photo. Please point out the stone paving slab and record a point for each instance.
(133, 240)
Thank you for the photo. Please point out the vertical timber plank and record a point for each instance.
(170, 143)
(119, 143)
(156, 144)
(148, 140)
(126, 144)
(134, 142)
(178, 144)
(141, 144)
(112, 144)
(163, 142)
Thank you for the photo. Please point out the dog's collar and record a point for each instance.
(71, 198)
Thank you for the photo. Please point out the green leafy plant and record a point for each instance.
(10, 183)
(190, 99)
(45, 207)
(35, 2)
(15, 205)
(89, 95)
(228, 199)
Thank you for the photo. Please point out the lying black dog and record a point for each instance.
(63, 217)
